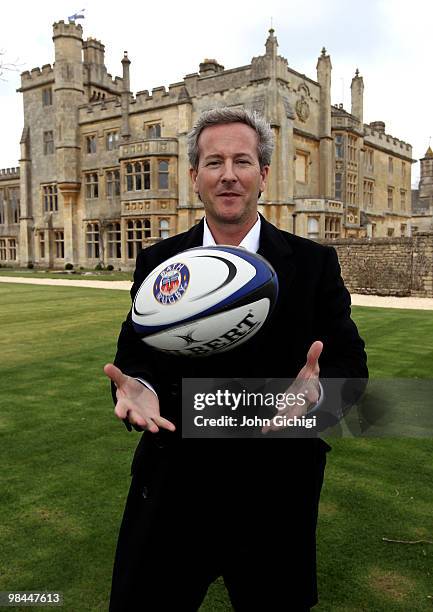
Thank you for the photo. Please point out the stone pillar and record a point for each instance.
(286, 157)
(69, 192)
(126, 263)
(357, 98)
(26, 242)
(326, 157)
(184, 190)
(50, 246)
(125, 131)
(271, 191)
(184, 219)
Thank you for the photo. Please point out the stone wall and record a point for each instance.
(388, 266)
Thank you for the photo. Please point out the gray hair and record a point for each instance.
(218, 116)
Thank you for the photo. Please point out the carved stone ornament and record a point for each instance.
(302, 109)
(304, 90)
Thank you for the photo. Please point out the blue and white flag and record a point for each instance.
(76, 16)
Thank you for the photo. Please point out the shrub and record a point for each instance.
(30, 266)
(69, 266)
(99, 266)
(110, 267)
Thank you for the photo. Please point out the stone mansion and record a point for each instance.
(103, 172)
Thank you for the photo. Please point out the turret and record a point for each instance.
(209, 67)
(94, 52)
(426, 177)
(69, 94)
(378, 126)
(68, 47)
(324, 69)
(357, 91)
(271, 45)
(125, 132)
(94, 58)
(271, 56)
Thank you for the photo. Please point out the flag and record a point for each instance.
(76, 16)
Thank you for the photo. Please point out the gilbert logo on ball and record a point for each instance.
(205, 301)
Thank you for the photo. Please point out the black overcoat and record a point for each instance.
(194, 498)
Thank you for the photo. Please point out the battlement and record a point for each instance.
(159, 96)
(94, 42)
(143, 95)
(101, 109)
(71, 29)
(341, 119)
(9, 173)
(93, 52)
(37, 76)
(98, 76)
(375, 134)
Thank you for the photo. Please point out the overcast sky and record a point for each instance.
(388, 40)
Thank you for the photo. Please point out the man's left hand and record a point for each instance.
(305, 384)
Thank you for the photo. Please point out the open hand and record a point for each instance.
(306, 384)
(136, 402)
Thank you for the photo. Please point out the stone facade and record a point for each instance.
(388, 266)
(104, 172)
(422, 198)
(9, 214)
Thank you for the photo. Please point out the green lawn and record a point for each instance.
(65, 462)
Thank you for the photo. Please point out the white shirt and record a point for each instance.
(250, 242)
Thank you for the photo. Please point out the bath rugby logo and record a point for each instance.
(171, 284)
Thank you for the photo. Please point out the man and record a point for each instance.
(245, 509)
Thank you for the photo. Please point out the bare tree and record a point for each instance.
(6, 66)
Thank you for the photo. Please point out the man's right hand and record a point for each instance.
(135, 402)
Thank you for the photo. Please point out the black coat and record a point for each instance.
(259, 478)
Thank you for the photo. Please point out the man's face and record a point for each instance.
(229, 178)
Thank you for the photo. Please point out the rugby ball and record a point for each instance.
(205, 300)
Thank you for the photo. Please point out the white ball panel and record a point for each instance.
(223, 330)
(206, 273)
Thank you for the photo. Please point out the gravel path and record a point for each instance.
(357, 299)
(125, 285)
